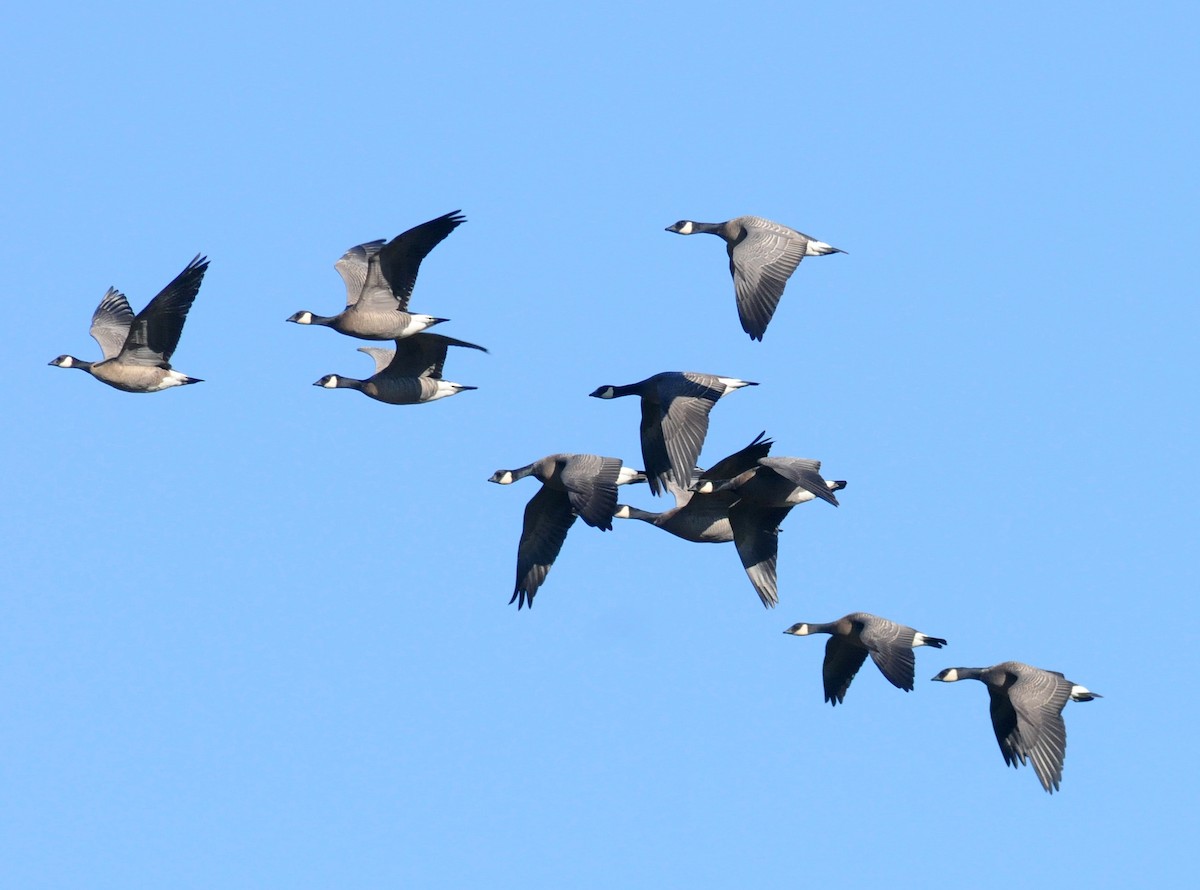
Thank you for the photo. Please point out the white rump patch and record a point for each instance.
(732, 383)
(627, 475)
(919, 639)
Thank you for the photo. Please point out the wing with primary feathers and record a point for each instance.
(353, 268)
(111, 322)
(401, 257)
(842, 662)
(890, 645)
(761, 264)
(591, 483)
(548, 518)
(155, 330)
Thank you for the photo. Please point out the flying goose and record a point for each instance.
(675, 407)
(853, 636)
(724, 516)
(1026, 707)
(379, 280)
(407, 375)
(762, 256)
(583, 485)
(137, 348)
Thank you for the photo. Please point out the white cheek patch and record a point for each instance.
(951, 675)
(330, 382)
(67, 362)
(686, 228)
(304, 318)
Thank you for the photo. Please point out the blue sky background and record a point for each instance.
(257, 634)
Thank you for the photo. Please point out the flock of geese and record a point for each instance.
(742, 498)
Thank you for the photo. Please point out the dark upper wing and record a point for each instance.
(842, 661)
(654, 448)
(890, 645)
(756, 536)
(802, 473)
(1038, 698)
(548, 518)
(740, 461)
(401, 257)
(423, 355)
(155, 330)
(761, 264)
(111, 322)
(591, 483)
(686, 402)
(353, 268)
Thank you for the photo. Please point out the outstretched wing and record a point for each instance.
(111, 322)
(890, 645)
(423, 355)
(591, 483)
(842, 661)
(548, 518)
(401, 257)
(353, 268)
(155, 330)
(761, 264)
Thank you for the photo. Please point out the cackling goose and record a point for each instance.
(583, 485)
(410, 374)
(762, 256)
(137, 348)
(1026, 708)
(675, 407)
(379, 280)
(853, 636)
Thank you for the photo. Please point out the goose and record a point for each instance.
(724, 516)
(137, 348)
(410, 374)
(583, 485)
(853, 637)
(762, 256)
(675, 408)
(379, 280)
(1026, 708)
(777, 482)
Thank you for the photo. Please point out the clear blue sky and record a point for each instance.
(257, 634)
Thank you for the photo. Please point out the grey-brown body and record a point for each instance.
(1026, 705)
(583, 485)
(762, 256)
(137, 349)
(858, 634)
(724, 516)
(379, 279)
(675, 407)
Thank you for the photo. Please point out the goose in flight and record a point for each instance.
(1026, 707)
(675, 408)
(573, 485)
(137, 348)
(762, 256)
(858, 634)
(379, 280)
